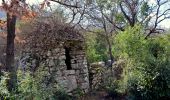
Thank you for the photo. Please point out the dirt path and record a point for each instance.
(99, 95)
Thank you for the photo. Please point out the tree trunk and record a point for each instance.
(110, 51)
(10, 60)
(110, 54)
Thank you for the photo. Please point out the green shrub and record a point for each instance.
(96, 47)
(61, 95)
(4, 93)
(32, 88)
(111, 87)
(146, 74)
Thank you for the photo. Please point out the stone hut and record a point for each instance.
(60, 49)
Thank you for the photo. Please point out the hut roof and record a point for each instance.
(47, 32)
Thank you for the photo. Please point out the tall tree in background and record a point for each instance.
(122, 13)
(11, 9)
(115, 15)
(148, 14)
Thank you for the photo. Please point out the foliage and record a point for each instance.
(96, 47)
(111, 87)
(147, 64)
(144, 9)
(3, 89)
(38, 33)
(32, 88)
(78, 93)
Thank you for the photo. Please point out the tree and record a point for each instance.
(115, 15)
(96, 46)
(12, 13)
(122, 13)
(146, 70)
(140, 11)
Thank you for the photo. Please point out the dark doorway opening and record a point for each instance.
(68, 58)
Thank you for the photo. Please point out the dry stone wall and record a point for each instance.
(101, 75)
(54, 62)
(95, 75)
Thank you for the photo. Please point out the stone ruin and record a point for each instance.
(101, 75)
(69, 66)
(60, 51)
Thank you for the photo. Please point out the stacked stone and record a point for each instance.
(95, 77)
(72, 79)
(79, 64)
(54, 62)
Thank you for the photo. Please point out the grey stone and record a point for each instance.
(67, 79)
(71, 83)
(62, 63)
(70, 72)
(85, 85)
(49, 53)
(51, 62)
(63, 57)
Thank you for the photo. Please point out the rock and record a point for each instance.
(71, 83)
(63, 57)
(51, 62)
(70, 72)
(62, 63)
(75, 66)
(85, 85)
(49, 53)
(77, 72)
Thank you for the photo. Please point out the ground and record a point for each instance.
(98, 95)
(101, 95)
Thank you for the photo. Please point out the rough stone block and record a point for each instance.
(70, 72)
(51, 62)
(84, 85)
(71, 83)
(62, 57)
(62, 63)
(49, 53)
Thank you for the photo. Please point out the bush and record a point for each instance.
(96, 47)
(146, 74)
(4, 93)
(32, 88)
(111, 87)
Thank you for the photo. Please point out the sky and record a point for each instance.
(165, 24)
(34, 1)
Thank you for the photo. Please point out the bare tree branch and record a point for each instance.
(64, 4)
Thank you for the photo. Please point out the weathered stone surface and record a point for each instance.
(77, 72)
(75, 66)
(54, 61)
(85, 62)
(56, 50)
(84, 71)
(51, 62)
(49, 53)
(62, 57)
(69, 72)
(62, 63)
(73, 61)
(85, 85)
(71, 83)
(58, 73)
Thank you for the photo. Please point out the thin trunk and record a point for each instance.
(111, 56)
(110, 51)
(10, 60)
